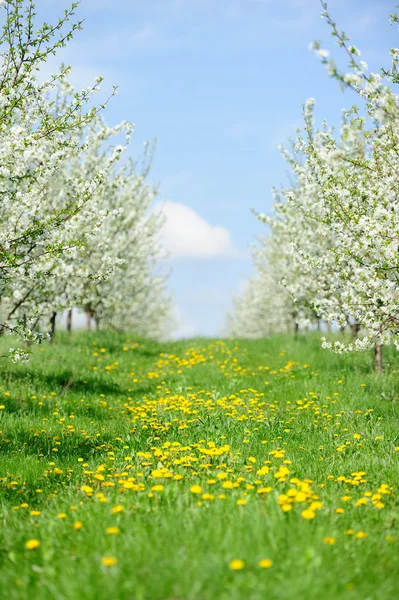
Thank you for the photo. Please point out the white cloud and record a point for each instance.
(186, 235)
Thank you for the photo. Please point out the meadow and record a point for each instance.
(198, 470)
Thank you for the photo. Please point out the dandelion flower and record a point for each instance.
(32, 544)
(265, 563)
(112, 530)
(236, 564)
(361, 534)
(308, 514)
(109, 561)
(329, 540)
(157, 488)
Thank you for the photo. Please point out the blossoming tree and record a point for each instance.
(58, 186)
(337, 228)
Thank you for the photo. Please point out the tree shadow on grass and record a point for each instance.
(64, 381)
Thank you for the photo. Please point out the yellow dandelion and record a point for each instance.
(265, 563)
(112, 530)
(264, 490)
(329, 540)
(360, 535)
(109, 561)
(308, 514)
(236, 564)
(32, 544)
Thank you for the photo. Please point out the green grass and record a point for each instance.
(229, 418)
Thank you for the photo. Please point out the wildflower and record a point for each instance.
(35, 513)
(112, 530)
(157, 488)
(77, 525)
(360, 535)
(196, 489)
(228, 485)
(300, 497)
(264, 490)
(109, 561)
(329, 540)
(32, 544)
(236, 565)
(241, 502)
(208, 497)
(117, 509)
(265, 563)
(361, 502)
(308, 514)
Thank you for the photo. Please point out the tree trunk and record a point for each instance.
(378, 358)
(355, 328)
(69, 320)
(88, 320)
(318, 325)
(97, 321)
(52, 326)
(328, 327)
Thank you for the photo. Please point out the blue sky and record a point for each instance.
(220, 84)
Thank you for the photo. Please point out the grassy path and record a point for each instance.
(198, 470)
